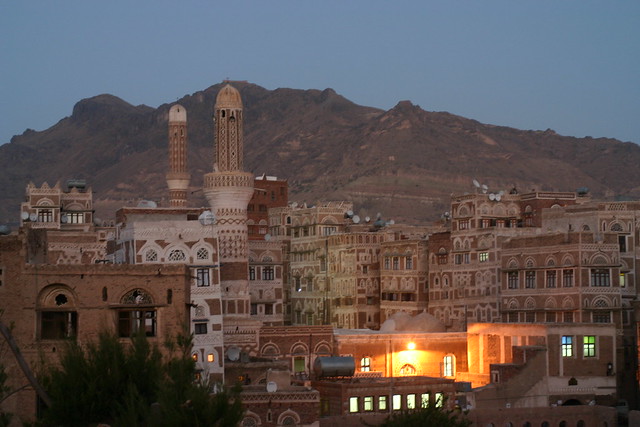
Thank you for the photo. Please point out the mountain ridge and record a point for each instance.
(403, 162)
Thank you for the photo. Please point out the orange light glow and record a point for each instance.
(411, 346)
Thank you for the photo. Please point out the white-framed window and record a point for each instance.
(567, 346)
(353, 404)
(396, 402)
(600, 277)
(589, 346)
(202, 277)
(365, 364)
(483, 256)
(448, 367)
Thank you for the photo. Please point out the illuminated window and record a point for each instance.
(483, 256)
(353, 404)
(623, 280)
(210, 358)
(368, 403)
(439, 400)
(365, 364)
(396, 402)
(589, 346)
(567, 346)
(411, 401)
(424, 400)
(447, 366)
(382, 403)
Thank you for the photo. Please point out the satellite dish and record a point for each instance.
(147, 204)
(233, 353)
(391, 222)
(355, 219)
(367, 219)
(378, 215)
(267, 237)
(484, 188)
(24, 216)
(33, 217)
(492, 196)
(498, 197)
(349, 214)
(272, 387)
(64, 218)
(294, 204)
(476, 183)
(207, 218)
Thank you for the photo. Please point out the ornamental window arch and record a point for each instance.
(463, 211)
(151, 253)
(513, 263)
(270, 350)
(550, 303)
(56, 310)
(530, 303)
(601, 302)
(45, 202)
(567, 260)
(550, 261)
(617, 227)
(530, 262)
(137, 313)
(567, 303)
(599, 259)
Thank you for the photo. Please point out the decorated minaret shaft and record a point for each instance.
(228, 189)
(178, 177)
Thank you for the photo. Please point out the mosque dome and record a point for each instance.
(228, 97)
(403, 322)
(177, 113)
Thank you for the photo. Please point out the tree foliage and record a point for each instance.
(129, 385)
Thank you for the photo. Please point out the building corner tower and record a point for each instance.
(178, 177)
(228, 189)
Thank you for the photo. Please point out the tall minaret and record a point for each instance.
(178, 177)
(229, 189)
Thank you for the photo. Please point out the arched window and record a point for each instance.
(151, 255)
(176, 255)
(137, 314)
(407, 370)
(202, 254)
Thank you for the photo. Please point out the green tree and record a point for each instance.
(131, 385)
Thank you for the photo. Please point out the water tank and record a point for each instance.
(334, 366)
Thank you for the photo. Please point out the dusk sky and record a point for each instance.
(572, 66)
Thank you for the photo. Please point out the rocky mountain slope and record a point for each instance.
(404, 162)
